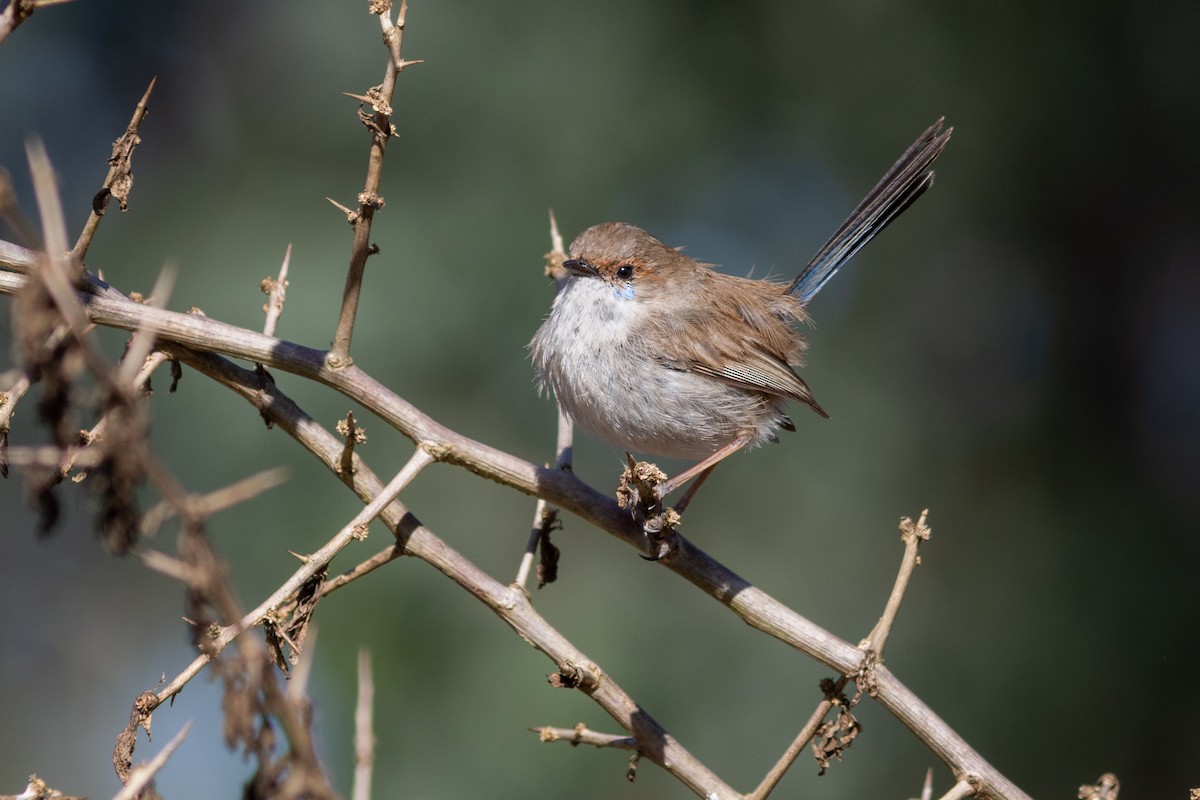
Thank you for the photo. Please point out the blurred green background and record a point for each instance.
(1021, 355)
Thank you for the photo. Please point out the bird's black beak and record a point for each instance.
(580, 268)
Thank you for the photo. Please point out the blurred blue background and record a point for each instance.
(1021, 355)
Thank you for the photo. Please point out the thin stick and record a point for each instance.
(776, 773)
(17, 12)
(120, 175)
(45, 189)
(543, 512)
(219, 500)
(959, 791)
(380, 125)
(142, 774)
(565, 441)
(535, 536)
(10, 397)
(56, 269)
(314, 563)
(362, 569)
(912, 535)
(131, 366)
(276, 290)
(581, 734)
(297, 685)
(364, 737)
(50, 457)
(556, 240)
(213, 585)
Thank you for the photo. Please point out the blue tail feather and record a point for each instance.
(907, 180)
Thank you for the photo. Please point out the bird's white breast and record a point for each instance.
(605, 374)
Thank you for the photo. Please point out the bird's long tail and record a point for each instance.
(907, 180)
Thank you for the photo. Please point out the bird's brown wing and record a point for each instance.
(745, 338)
(764, 373)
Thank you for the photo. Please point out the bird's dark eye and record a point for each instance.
(625, 272)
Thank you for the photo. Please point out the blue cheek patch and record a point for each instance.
(624, 291)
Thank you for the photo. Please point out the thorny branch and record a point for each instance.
(178, 333)
(545, 516)
(311, 565)
(17, 11)
(912, 534)
(119, 181)
(253, 698)
(379, 123)
(835, 736)
(511, 603)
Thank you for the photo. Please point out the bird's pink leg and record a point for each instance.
(702, 469)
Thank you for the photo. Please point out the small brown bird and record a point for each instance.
(656, 353)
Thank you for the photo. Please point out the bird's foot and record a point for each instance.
(641, 493)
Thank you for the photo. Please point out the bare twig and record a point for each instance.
(963, 788)
(313, 563)
(581, 734)
(129, 461)
(554, 268)
(38, 789)
(18, 11)
(10, 398)
(57, 268)
(18, 258)
(297, 685)
(207, 505)
(352, 435)
(545, 520)
(119, 180)
(45, 186)
(251, 687)
(142, 774)
(8, 407)
(238, 492)
(51, 457)
(88, 455)
(557, 254)
(131, 366)
(199, 508)
(364, 737)
(380, 125)
(912, 534)
(362, 569)
(545, 516)
(798, 745)
(276, 291)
